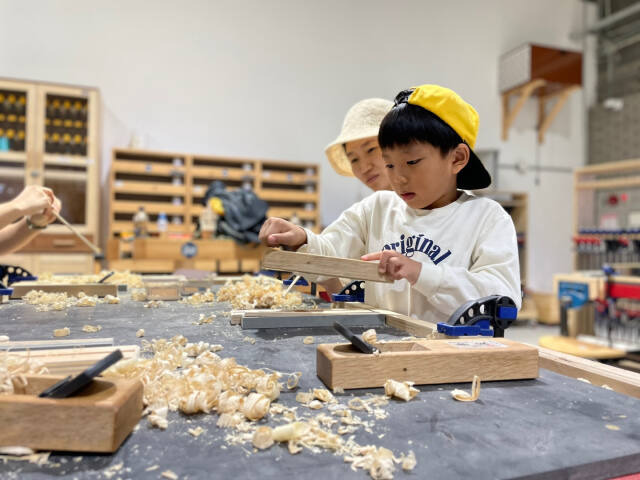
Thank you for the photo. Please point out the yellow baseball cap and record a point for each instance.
(461, 117)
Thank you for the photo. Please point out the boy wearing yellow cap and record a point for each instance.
(449, 246)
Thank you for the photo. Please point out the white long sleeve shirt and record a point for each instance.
(468, 250)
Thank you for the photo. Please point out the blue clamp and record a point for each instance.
(488, 317)
(354, 292)
(301, 281)
(12, 274)
(5, 291)
(576, 291)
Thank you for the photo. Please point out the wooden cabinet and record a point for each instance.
(49, 135)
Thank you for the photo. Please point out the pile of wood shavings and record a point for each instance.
(258, 292)
(190, 378)
(13, 370)
(47, 301)
(199, 298)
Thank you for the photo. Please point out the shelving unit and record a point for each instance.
(175, 184)
(49, 135)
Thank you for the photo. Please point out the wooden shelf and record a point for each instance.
(145, 178)
(13, 157)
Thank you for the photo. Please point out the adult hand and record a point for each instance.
(277, 231)
(48, 216)
(395, 265)
(34, 199)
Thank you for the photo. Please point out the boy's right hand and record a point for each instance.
(277, 231)
(34, 199)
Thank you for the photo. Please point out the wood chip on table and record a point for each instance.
(140, 333)
(402, 390)
(196, 432)
(91, 328)
(463, 396)
(61, 332)
(308, 340)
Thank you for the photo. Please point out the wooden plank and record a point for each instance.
(54, 344)
(163, 291)
(578, 348)
(71, 361)
(311, 319)
(321, 265)
(275, 176)
(426, 362)
(610, 167)
(623, 182)
(599, 374)
(221, 173)
(97, 421)
(20, 289)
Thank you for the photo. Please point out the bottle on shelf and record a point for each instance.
(163, 224)
(141, 223)
(22, 104)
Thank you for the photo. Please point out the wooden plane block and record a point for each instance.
(20, 289)
(67, 361)
(426, 362)
(320, 265)
(163, 291)
(98, 419)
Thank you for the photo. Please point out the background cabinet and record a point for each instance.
(49, 135)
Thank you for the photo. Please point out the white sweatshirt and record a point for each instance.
(468, 250)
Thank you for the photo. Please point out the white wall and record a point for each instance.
(273, 79)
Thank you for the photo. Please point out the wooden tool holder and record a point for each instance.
(96, 420)
(426, 362)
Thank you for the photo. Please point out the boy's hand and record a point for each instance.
(277, 231)
(395, 265)
(48, 216)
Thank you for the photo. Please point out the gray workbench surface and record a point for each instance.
(517, 428)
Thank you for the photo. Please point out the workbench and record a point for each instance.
(554, 426)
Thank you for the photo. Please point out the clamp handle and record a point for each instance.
(476, 317)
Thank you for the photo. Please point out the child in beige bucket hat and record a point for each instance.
(356, 151)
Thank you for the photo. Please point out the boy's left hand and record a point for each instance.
(395, 265)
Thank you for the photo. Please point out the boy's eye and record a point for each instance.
(414, 162)
(354, 160)
(388, 165)
(372, 149)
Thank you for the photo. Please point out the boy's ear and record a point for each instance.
(460, 157)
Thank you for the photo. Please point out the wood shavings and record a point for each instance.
(580, 379)
(61, 332)
(45, 302)
(250, 340)
(196, 432)
(402, 390)
(138, 295)
(258, 292)
(337, 390)
(110, 299)
(158, 418)
(229, 402)
(409, 461)
(229, 420)
(4, 338)
(463, 396)
(315, 404)
(292, 381)
(132, 280)
(269, 386)
(13, 371)
(606, 387)
(86, 301)
(308, 340)
(290, 431)
(91, 328)
(154, 304)
(152, 468)
(304, 397)
(16, 451)
(200, 298)
(206, 319)
(380, 462)
(615, 428)
(113, 470)
(263, 437)
(370, 336)
(323, 394)
(169, 474)
(140, 333)
(38, 459)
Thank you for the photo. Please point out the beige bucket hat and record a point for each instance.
(362, 121)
